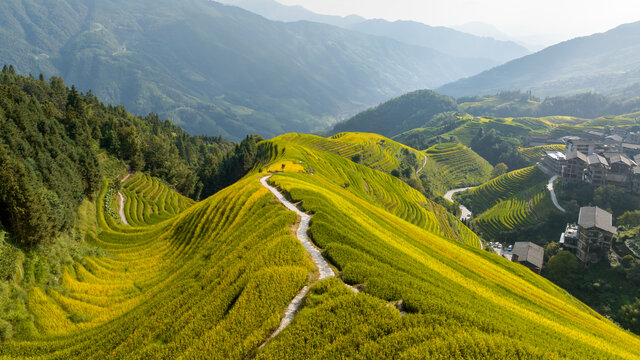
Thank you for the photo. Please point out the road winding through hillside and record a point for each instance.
(553, 194)
(323, 267)
(121, 197)
(465, 213)
(424, 163)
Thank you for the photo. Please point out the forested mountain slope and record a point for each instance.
(213, 281)
(400, 114)
(215, 69)
(606, 63)
(52, 139)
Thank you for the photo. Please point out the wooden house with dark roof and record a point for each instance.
(529, 255)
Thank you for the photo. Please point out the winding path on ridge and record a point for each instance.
(323, 267)
(121, 197)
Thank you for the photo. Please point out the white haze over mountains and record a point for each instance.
(532, 23)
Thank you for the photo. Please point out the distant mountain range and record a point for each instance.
(607, 63)
(276, 11)
(485, 51)
(216, 69)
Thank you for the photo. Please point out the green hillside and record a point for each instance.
(421, 119)
(457, 166)
(379, 153)
(516, 103)
(395, 116)
(213, 281)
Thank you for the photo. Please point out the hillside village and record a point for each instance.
(591, 158)
(599, 160)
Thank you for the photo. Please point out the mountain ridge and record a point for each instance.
(486, 52)
(216, 69)
(603, 63)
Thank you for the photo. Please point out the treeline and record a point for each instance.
(523, 104)
(50, 143)
(413, 110)
(497, 149)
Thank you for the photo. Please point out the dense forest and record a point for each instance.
(53, 137)
(497, 149)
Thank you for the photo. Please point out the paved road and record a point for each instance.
(503, 252)
(123, 218)
(466, 213)
(553, 194)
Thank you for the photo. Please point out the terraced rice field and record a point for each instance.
(376, 151)
(525, 209)
(149, 201)
(380, 189)
(534, 154)
(506, 127)
(507, 186)
(214, 280)
(203, 284)
(458, 166)
(511, 201)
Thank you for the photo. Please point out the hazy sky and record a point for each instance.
(559, 19)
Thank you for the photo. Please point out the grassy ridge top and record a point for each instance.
(382, 190)
(213, 281)
(374, 150)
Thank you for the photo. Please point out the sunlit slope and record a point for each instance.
(377, 187)
(210, 282)
(458, 166)
(213, 282)
(375, 151)
(456, 301)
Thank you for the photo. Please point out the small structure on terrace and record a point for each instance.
(529, 255)
(592, 235)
